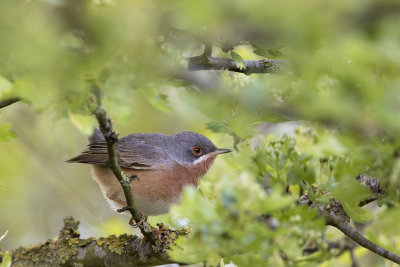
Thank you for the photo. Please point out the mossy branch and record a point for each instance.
(67, 249)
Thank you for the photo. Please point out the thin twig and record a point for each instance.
(6, 102)
(354, 261)
(352, 233)
(111, 138)
(335, 216)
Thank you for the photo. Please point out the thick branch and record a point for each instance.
(221, 63)
(111, 138)
(6, 102)
(69, 250)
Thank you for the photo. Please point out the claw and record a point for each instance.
(142, 220)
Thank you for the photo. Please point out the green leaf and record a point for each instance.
(276, 201)
(6, 260)
(350, 193)
(217, 127)
(299, 172)
(238, 60)
(269, 53)
(5, 133)
(5, 86)
(157, 99)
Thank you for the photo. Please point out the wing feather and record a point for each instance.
(132, 153)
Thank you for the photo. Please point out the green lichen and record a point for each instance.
(64, 248)
(116, 244)
(53, 252)
(166, 237)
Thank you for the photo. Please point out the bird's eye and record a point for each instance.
(197, 150)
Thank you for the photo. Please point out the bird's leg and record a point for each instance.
(142, 220)
(143, 217)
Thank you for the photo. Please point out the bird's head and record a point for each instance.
(195, 151)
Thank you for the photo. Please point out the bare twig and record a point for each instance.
(111, 138)
(354, 261)
(6, 102)
(352, 233)
(204, 62)
(334, 215)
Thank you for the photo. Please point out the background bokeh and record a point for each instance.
(340, 83)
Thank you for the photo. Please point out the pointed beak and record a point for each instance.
(222, 150)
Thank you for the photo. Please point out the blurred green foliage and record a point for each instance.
(342, 81)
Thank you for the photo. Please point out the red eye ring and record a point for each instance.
(197, 150)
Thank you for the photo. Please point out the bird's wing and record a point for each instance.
(132, 153)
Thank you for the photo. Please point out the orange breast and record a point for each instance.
(162, 186)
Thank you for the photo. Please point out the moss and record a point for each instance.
(64, 248)
(53, 252)
(116, 244)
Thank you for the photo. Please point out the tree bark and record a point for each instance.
(67, 249)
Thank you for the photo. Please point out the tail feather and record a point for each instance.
(100, 157)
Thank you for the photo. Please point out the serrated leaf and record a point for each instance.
(350, 193)
(5, 133)
(238, 60)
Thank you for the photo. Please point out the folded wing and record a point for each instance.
(132, 153)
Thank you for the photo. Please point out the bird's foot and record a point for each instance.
(141, 222)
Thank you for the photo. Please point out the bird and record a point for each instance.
(163, 165)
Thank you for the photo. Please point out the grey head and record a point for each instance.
(188, 147)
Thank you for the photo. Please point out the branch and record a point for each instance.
(334, 215)
(205, 62)
(373, 185)
(69, 250)
(6, 102)
(352, 233)
(111, 138)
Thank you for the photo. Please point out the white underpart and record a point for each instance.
(201, 159)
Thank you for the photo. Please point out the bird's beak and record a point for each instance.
(222, 150)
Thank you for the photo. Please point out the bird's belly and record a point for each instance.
(153, 194)
(156, 207)
(148, 207)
